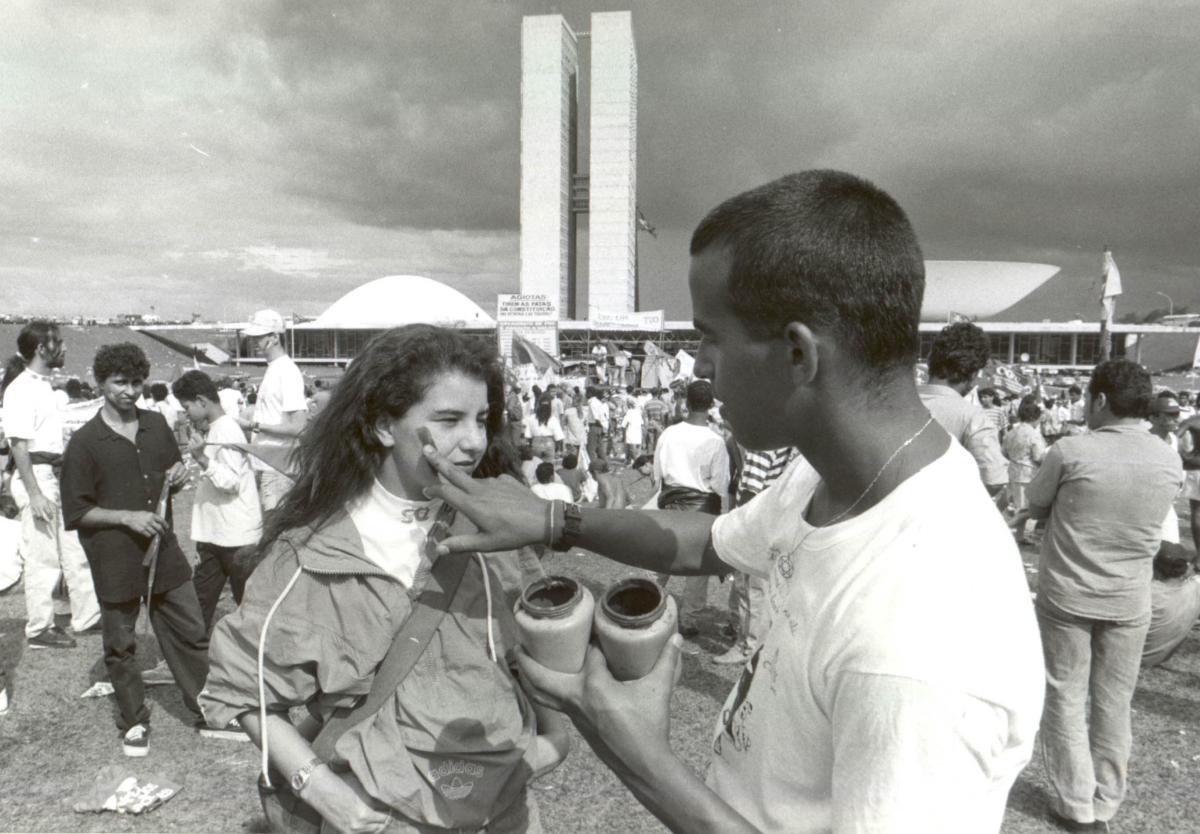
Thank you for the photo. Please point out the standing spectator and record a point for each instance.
(598, 422)
(1106, 494)
(544, 432)
(574, 427)
(657, 414)
(632, 424)
(1076, 411)
(618, 404)
(692, 465)
(226, 515)
(748, 595)
(35, 434)
(958, 355)
(1025, 448)
(280, 410)
(1053, 422)
(514, 412)
(1164, 424)
(1185, 405)
(993, 408)
(113, 471)
(1189, 449)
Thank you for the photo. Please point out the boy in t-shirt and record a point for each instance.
(226, 514)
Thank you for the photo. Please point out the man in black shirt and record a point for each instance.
(114, 470)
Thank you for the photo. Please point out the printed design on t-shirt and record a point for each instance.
(736, 716)
(455, 778)
(785, 566)
(410, 514)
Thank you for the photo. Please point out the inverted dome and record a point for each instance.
(979, 288)
(401, 299)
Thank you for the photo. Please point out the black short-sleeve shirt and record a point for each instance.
(103, 469)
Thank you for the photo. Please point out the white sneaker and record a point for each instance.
(3, 701)
(136, 743)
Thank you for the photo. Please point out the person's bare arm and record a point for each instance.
(43, 508)
(292, 425)
(509, 516)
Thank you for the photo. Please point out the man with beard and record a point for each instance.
(35, 432)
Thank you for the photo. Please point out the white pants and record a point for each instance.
(50, 552)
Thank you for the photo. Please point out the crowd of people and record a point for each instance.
(375, 534)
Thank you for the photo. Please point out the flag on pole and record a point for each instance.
(645, 226)
(1112, 286)
(525, 352)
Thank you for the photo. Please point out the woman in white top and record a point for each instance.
(544, 431)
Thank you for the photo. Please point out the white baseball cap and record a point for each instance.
(264, 322)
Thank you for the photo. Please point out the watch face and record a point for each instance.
(300, 778)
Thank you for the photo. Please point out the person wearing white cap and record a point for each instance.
(281, 409)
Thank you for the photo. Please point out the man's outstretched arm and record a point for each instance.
(508, 516)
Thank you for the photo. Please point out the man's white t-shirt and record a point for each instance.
(282, 391)
(231, 401)
(692, 456)
(31, 414)
(900, 685)
(393, 529)
(226, 511)
(553, 491)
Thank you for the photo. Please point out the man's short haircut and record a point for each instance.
(544, 472)
(1029, 410)
(34, 335)
(959, 352)
(525, 452)
(158, 391)
(989, 392)
(120, 359)
(642, 460)
(1075, 389)
(570, 460)
(1125, 385)
(193, 385)
(699, 395)
(827, 249)
(1170, 562)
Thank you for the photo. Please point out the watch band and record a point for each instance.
(572, 526)
(300, 778)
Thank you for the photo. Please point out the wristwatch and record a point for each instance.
(300, 777)
(572, 525)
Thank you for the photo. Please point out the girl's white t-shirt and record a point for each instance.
(899, 686)
(393, 529)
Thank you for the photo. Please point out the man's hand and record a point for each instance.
(625, 722)
(340, 805)
(42, 507)
(144, 523)
(196, 446)
(506, 512)
(177, 475)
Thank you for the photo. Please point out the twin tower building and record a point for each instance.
(554, 191)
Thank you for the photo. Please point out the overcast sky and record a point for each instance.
(219, 157)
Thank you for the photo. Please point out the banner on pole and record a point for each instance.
(648, 320)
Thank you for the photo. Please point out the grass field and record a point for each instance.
(52, 743)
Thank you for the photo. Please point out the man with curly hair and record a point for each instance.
(1105, 493)
(114, 471)
(959, 353)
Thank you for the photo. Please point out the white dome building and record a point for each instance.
(398, 300)
(338, 334)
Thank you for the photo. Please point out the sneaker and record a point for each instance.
(230, 732)
(51, 638)
(3, 700)
(160, 675)
(136, 742)
(736, 656)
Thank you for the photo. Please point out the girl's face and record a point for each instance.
(454, 410)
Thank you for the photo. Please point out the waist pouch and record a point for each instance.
(467, 790)
(685, 498)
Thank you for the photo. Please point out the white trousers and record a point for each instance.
(49, 553)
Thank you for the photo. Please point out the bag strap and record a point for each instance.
(410, 642)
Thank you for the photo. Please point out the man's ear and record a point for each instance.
(1099, 402)
(801, 345)
(383, 431)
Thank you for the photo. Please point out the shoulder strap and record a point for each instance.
(409, 644)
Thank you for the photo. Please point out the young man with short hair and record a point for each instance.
(1106, 494)
(226, 516)
(281, 409)
(959, 353)
(114, 471)
(50, 551)
(549, 489)
(571, 475)
(898, 687)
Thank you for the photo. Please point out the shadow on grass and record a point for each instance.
(1168, 706)
(12, 647)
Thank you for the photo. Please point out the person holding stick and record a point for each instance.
(116, 469)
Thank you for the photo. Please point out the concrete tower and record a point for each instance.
(612, 201)
(549, 130)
